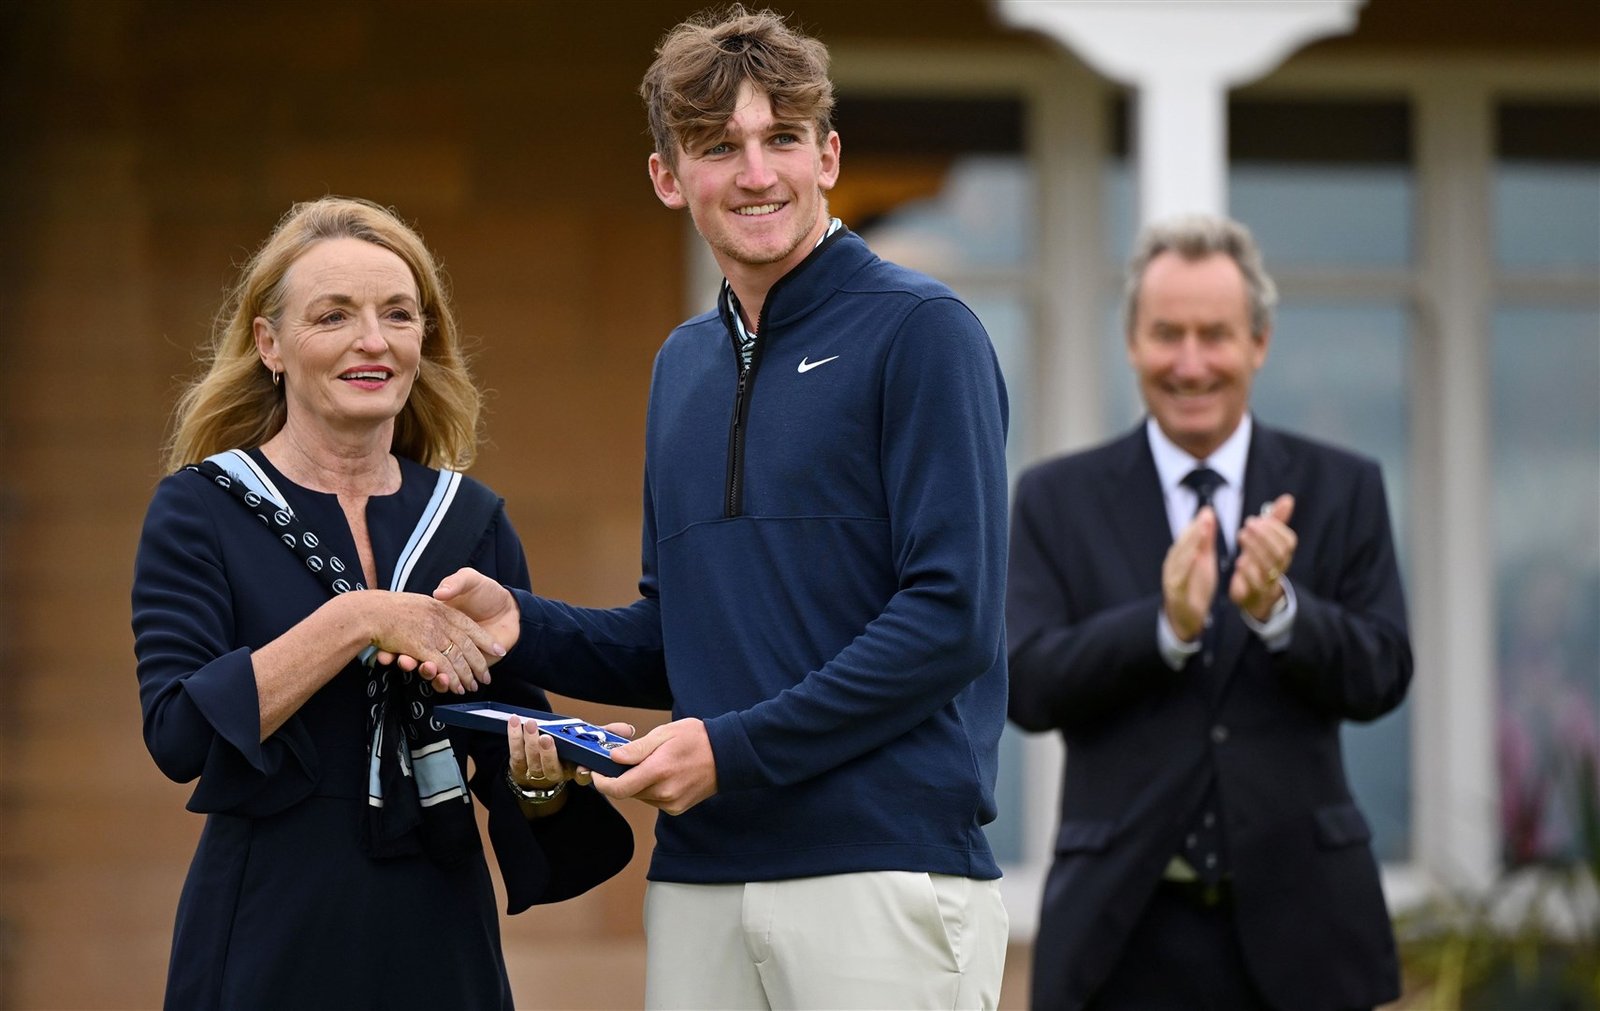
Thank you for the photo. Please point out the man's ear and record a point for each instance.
(1263, 344)
(665, 181)
(266, 344)
(830, 161)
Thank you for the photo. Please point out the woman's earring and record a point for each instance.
(276, 376)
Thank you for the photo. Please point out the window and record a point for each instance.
(1545, 398)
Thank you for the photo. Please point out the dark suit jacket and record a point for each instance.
(1089, 533)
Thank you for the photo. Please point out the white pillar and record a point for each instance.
(1182, 56)
(1457, 783)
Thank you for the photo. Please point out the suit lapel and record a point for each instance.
(1266, 471)
(1135, 508)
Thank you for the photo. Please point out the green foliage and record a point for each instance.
(1531, 941)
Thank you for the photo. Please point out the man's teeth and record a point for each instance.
(757, 209)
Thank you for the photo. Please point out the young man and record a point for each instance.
(823, 578)
(1197, 606)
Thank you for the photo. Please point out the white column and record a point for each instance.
(1182, 56)
(1181, 146)
(1456, 780)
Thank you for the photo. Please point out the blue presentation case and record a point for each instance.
(577, 741)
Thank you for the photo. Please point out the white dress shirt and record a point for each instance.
(1173, 464)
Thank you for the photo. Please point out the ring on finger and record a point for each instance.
(448, 649)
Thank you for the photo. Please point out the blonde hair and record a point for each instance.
(234, 402)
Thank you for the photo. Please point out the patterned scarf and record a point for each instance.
(417, 801)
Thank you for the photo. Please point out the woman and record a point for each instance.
(340, 864)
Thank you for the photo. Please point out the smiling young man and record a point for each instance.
(1197, 606)
(823, 578)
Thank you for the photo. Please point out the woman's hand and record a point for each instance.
(536, 765)
(482, 602)
(419, 633)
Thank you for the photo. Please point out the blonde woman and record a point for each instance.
(340, 864)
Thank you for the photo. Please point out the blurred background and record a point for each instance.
(1425, 182)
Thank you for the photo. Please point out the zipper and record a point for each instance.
(733, 495)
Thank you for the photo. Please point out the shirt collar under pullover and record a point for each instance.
(745, 336)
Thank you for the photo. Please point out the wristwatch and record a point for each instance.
(534, 794)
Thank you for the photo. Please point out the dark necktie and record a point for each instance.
(1203, 845)
(1204, 482)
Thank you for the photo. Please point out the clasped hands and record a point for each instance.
(1189, 572)
(674, 766)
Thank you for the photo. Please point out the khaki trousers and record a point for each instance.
(873, 940)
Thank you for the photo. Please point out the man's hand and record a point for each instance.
(1266, 547)
(490, 609)
(1189, 576)
(449, 649)
(485, 602)
(673, 768)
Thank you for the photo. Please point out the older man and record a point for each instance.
(1197, 606)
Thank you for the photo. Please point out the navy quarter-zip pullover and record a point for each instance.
(823, 576)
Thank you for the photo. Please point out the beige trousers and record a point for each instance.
(875, 940)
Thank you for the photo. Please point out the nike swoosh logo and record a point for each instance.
(806, 366)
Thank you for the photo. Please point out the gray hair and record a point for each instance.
(1195, 237)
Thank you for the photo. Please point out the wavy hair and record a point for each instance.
(691, 89)
(234, 402)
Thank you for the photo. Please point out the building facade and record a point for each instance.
(1425, 181)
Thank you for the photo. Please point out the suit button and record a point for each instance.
(1219, 734)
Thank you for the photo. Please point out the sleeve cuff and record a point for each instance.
(738, 767)
(1277, 631)
(1174, 651)
(243, 774)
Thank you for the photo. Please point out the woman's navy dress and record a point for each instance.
(282, 907)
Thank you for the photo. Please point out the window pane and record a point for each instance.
(1546, 514)
(1323, 182)
(979, 216)
(1547, 185)
(960, 196)
(1307, 214)
(1120, 213)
